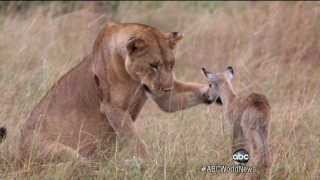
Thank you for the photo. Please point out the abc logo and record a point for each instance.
(241, 156)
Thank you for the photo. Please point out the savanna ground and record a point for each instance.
(273, 47)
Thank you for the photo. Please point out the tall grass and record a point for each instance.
(273, 47)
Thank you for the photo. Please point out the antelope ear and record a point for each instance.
(207, 73)
(135, 45)
(230, 72)
(174, 38)
(204, 72)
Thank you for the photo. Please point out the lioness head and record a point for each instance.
(150, 58)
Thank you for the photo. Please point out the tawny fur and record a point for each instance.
(101, 97)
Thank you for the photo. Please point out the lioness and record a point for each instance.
(100, 98)
(249, 116)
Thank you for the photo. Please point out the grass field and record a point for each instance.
(274, 48)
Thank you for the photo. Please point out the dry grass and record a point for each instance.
(274, 48)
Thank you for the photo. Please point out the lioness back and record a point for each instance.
(69, 113)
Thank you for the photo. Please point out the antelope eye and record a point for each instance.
(154, 66)
(171, 65)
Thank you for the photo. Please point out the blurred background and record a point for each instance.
(273, 47)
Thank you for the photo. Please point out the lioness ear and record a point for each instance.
(135, 44)
(174, 38)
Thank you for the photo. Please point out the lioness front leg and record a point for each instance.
(183, 96)
(124, 128)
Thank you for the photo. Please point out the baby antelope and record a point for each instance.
(249, 117)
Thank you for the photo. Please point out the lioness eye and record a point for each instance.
(154, 66)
